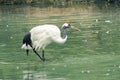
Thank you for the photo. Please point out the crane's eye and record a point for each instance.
(69, 24)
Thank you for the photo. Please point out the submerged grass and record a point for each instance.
(91, 54)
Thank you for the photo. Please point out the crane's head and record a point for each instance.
(68, 25)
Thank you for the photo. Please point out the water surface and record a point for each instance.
(91, 54)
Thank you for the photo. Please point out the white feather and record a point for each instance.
(43, 35)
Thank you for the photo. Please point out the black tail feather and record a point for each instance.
(27, 39)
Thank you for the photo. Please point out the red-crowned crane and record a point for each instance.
(40, 36)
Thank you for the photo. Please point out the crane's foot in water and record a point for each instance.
(43, 59)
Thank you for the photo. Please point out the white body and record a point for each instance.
(43, 35)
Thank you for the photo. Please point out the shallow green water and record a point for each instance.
(91, 54)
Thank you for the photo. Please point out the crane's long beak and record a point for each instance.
(75, 28)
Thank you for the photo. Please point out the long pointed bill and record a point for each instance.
(75, 28)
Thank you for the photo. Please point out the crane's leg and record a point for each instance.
(27, 51)
(38, 54)
(43, 56)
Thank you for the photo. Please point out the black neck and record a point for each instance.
(64, 33)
